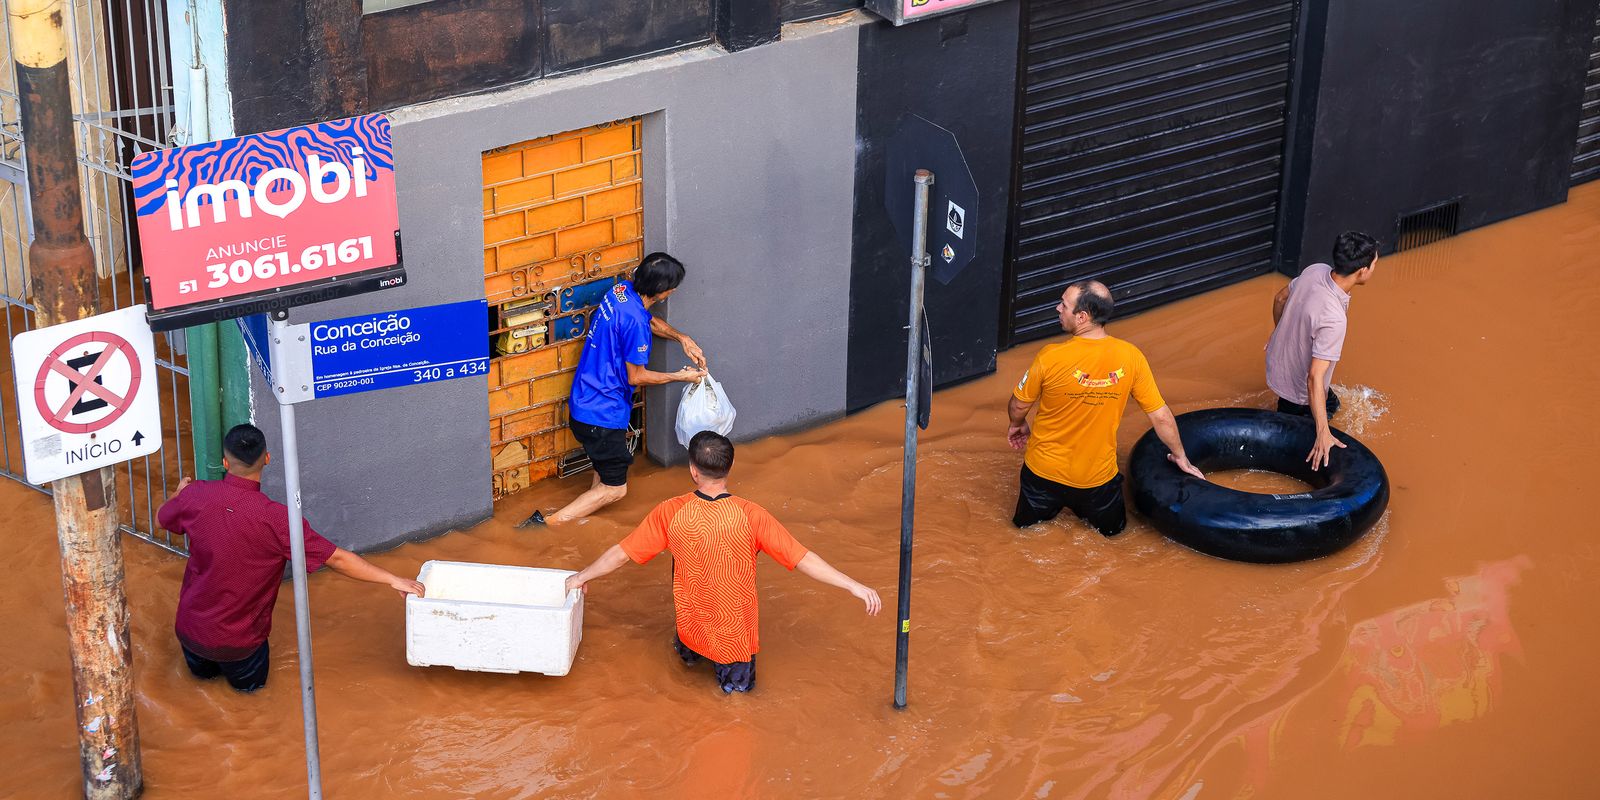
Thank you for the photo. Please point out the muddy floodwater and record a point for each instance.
(1449, 653)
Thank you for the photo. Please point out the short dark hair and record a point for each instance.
(1353, 251)
(711, 453)
(245, 444)
(657, 274)
(1095, 300)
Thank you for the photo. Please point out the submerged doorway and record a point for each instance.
(562, 221)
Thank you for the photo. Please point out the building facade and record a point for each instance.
(542, 147)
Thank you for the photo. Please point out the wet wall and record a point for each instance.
(748, 164)
(1406, 105)
(958, 72)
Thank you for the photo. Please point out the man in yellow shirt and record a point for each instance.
(1081, 387)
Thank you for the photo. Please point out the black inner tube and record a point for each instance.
(1347, 496)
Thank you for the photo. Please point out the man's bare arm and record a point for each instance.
(1018, 431)
(607, 563)
(641, 376)
(1317, 388)
(1166, 427)
(812, 566)
(659, 327)
(1278, 303)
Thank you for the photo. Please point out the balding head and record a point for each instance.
(1089, 297)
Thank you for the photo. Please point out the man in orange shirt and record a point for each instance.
(715, 538)
(1081, 387)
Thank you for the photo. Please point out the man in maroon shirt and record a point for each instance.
(238, 548)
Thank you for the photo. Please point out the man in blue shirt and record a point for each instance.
(611, 365)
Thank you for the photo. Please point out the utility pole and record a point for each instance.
(65, 288)
(923, 181)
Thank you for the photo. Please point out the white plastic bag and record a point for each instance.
(705, 407)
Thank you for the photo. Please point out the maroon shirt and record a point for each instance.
(238, 546)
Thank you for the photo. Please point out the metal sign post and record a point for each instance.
(305, 361)
(280, 333)
(908, 486)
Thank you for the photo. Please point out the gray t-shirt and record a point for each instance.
(1312, 326)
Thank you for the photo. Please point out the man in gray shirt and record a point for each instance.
(1309, 316)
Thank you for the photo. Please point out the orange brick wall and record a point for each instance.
(557, 211)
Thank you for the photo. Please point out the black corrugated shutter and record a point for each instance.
(1152, 137)
(1586, 162)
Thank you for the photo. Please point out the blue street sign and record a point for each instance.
(399, 348)
(254, 330)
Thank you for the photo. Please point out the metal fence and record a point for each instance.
(122, 102)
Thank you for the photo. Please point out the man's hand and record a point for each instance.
(407, 586)
(1322, 451)
(689, 375)
(1018, 435)
(868, 596)
(1183, 464)
(182, 483)
(574, 583)
(693, 351)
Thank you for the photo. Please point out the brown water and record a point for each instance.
(1257, 481)
(1449, 653)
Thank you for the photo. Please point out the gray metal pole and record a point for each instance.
(279, 333)
(908, 483)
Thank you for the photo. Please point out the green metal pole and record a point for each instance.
(205, 401)
(234, 376)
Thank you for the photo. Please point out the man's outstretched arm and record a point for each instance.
(351, 565)
(607, 563)
(815, 568)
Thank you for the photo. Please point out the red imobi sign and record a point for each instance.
(267, 221)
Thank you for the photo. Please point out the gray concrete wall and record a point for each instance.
(749, 179)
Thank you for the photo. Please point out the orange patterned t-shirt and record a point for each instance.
(714, 545)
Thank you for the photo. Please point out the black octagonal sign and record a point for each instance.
(952, 202)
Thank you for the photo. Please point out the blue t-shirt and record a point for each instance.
(619, 334)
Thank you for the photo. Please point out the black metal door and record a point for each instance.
(1151, 149)
(1586, 161)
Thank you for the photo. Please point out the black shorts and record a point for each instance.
(247, 674)
(1298, 410)
(1041, 499)
(740, 676)
(607, 449)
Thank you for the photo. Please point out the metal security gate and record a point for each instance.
(1151, 149)
(122, 102)
(1586, 161)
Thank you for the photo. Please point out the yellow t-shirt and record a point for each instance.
(1082, 388)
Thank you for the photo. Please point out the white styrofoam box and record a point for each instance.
(492, 618)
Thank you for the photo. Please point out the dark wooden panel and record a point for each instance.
(795, 10)
(588, 33)
(449, 47)
(291, 62)
(743, 24)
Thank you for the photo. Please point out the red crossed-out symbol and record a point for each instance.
(86, 382)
